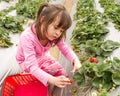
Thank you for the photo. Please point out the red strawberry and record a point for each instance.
(70, 81)
(93, 60)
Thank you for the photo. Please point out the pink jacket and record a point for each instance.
(30, 49)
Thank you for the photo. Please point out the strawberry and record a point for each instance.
(70, 81)
(93, 60)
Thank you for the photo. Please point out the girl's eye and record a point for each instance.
(61, 31)
(55, 27)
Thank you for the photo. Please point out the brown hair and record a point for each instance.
(50, 12)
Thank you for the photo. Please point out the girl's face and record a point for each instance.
(53, 32)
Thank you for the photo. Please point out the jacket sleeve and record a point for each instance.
(66, 51)
(30, 61)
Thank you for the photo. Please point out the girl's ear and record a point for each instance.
(42, 19)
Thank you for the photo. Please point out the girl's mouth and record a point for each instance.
(54, 37)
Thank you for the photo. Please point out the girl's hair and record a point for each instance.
(50, 12)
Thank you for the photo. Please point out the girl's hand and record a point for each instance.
(76, 64)
(60, 81)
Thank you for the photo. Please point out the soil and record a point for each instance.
(54, 50)
(56, 54)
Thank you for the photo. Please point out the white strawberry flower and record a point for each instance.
(94, 94)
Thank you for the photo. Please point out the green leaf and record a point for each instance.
(116, 78)
(110, 45)
(106, 84)
(100, 67)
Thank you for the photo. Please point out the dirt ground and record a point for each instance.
(54, 50)
(56, 54)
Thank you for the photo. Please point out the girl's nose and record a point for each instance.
(58, 33)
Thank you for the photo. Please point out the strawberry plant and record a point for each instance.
(5, 0)
(28, 8)
(4, 38)
(88, 41)
(112, 10)
(14, 24)
(98, 74)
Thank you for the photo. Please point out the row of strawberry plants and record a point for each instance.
(14, 24)
(9, 24)
(112, 10)
(5, 0)
(90, 32)
(28, 8)
(88, 41)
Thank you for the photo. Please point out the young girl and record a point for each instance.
(49, 29)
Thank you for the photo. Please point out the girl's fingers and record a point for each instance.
(62, 86)
(66, 82)
(63, 82)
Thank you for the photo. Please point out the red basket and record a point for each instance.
(23, 85)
